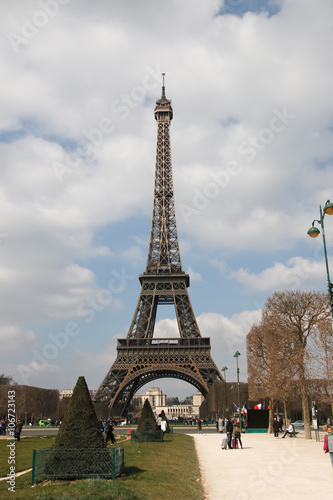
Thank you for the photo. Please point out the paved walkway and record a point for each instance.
(267, 467)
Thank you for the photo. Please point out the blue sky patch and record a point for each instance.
(240, 7)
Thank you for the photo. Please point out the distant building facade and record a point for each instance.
(157, 401)
(68, 393)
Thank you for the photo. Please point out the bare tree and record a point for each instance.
(320, 361)
(298, 314)
(6, 379)
(270, 369)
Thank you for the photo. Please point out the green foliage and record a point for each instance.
(152, 470)
(147, 422)
(79, 430)
(147, 430)
(80, 427)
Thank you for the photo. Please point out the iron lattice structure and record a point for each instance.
(141, 358)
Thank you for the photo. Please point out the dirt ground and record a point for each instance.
(267, 467)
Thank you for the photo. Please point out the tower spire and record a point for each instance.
(163, 87)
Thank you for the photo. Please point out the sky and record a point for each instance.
(252, 152)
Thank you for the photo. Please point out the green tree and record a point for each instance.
(147, 426)
(80, 427)
(79, 449)
(147, 422)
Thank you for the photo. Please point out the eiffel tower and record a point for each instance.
(141, 358)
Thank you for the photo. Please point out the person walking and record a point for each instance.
(109, 433)
(236, 434)
(276, 427)
(229, 428)
(199, 426)
(163, 426)
(328, 441)
(18, 430)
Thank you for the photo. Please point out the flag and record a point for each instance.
(244, 410)
(235, 406)
(258, 407)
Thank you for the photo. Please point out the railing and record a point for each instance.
(71, 464)
(188, 342)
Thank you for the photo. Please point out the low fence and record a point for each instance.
(50, 463)
(143, 437)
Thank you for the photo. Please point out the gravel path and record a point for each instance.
(267, 467)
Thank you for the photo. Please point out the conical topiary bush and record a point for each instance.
(80, 427)
(147, 426)
(147, 420)
(79, 449)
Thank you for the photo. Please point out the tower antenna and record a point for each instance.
(163, 87)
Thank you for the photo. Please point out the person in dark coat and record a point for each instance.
(229, 428)
(276, 427)
(18, 430)
(109, 433)
(3, 427)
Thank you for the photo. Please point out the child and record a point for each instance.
(328, 441)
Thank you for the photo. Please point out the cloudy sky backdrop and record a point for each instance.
(252, 148)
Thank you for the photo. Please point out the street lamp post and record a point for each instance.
(224, 369)
(313, 232)
(237, 353)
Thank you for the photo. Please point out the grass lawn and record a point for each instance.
(166, 470)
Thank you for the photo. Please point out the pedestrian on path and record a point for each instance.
(328, 441)
(276, 427)
(237, 435)
(229, 428)
(199, 426)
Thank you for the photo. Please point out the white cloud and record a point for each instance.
(46, 376)
(296, 273)
(251, 142)
(13, 337)
(134, 254)
(193, 275)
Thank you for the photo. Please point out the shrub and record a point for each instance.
(79, 430)
(147, 427)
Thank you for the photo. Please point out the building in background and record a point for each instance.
(67, 393)
(157, 401)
